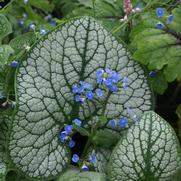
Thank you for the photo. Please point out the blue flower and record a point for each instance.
(159, 25)
(79, 98)
(77, 122)
(43, 32)
(89, 95)
(13, 64)
(32, 26)
(123, 122)
(86, 85)
(125, 83)
(25, 1)
(75, 158)
(152, 73)
(84, 168)
(112, 123)
(170, 19)
(63, 136)
(108, 82)
(1, 49)
(92, 158)
(68, 128)
(99, 93)
(99, 75)
(132, 114)
(160, 12)
(99, 72)
(114, 76)
(71, 143)
(75, 89)
(20, 23)
(113, 88)
(52, 22)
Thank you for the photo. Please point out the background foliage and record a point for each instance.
(22, 23)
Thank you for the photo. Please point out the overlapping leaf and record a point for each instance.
(163, 46)
(64, 57)
(149, 151)
(73, 174)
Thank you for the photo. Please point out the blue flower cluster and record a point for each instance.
(109, 78)
(65, 135)
(85, 91)
(92, 160)
(123, 123)
(161, 13)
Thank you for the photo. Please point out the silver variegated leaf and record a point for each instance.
(71, 53)
(149, 151)
(73, 174)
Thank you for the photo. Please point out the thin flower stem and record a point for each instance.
(94, 129)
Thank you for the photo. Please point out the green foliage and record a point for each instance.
(163, 47)
(149, 151)
(4, 122)
(47, 67)
(5, 52)
(22, 41)
(5, 27)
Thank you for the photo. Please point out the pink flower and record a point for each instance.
(128, 8)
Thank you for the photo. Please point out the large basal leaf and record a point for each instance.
(45, 101)
(73, 174)
(148, 152)
(5, 26)
(3, 140)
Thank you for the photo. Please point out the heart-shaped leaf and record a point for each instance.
(149, 151)
(73, 174)
(69, 54)
(5, 26)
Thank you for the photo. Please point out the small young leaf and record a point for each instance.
(81, 130)
(105, 138)
(5, 27)
(149, 151)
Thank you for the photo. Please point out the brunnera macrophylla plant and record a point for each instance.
(78, 78)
